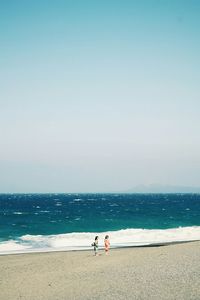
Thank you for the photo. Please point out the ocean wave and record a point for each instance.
(78, 200)
(83, 240)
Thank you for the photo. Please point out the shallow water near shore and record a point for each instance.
(38, 222)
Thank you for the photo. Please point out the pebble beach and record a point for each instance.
(165, 272)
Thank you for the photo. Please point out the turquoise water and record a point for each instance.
(52, 222)
(46, 214)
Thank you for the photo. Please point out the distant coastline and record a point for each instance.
(163, 189)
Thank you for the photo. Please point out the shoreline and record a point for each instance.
(81, 241)
(101, 248)
(89, 249)
(145, 273)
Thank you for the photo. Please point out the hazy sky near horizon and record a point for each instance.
(99, 96)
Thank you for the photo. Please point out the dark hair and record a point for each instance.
(96, 237)
(107, 236)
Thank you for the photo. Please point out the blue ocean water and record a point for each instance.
(31, 215)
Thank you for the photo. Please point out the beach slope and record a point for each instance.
(167, 272)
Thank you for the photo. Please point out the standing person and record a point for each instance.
(96, 245)
(107, 244)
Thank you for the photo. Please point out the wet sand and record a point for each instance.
(166, 272)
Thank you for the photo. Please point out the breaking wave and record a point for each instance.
(82, 241)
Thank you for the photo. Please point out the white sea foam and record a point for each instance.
(12, 246)
(78, 200)
(82, 241)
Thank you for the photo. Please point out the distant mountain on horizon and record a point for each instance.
(159, 188)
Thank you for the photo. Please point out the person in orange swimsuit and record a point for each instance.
(107, 244)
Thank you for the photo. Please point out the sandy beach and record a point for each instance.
(166, 272)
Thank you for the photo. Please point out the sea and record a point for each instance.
(63, 222)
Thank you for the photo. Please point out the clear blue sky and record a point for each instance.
(99, 96)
